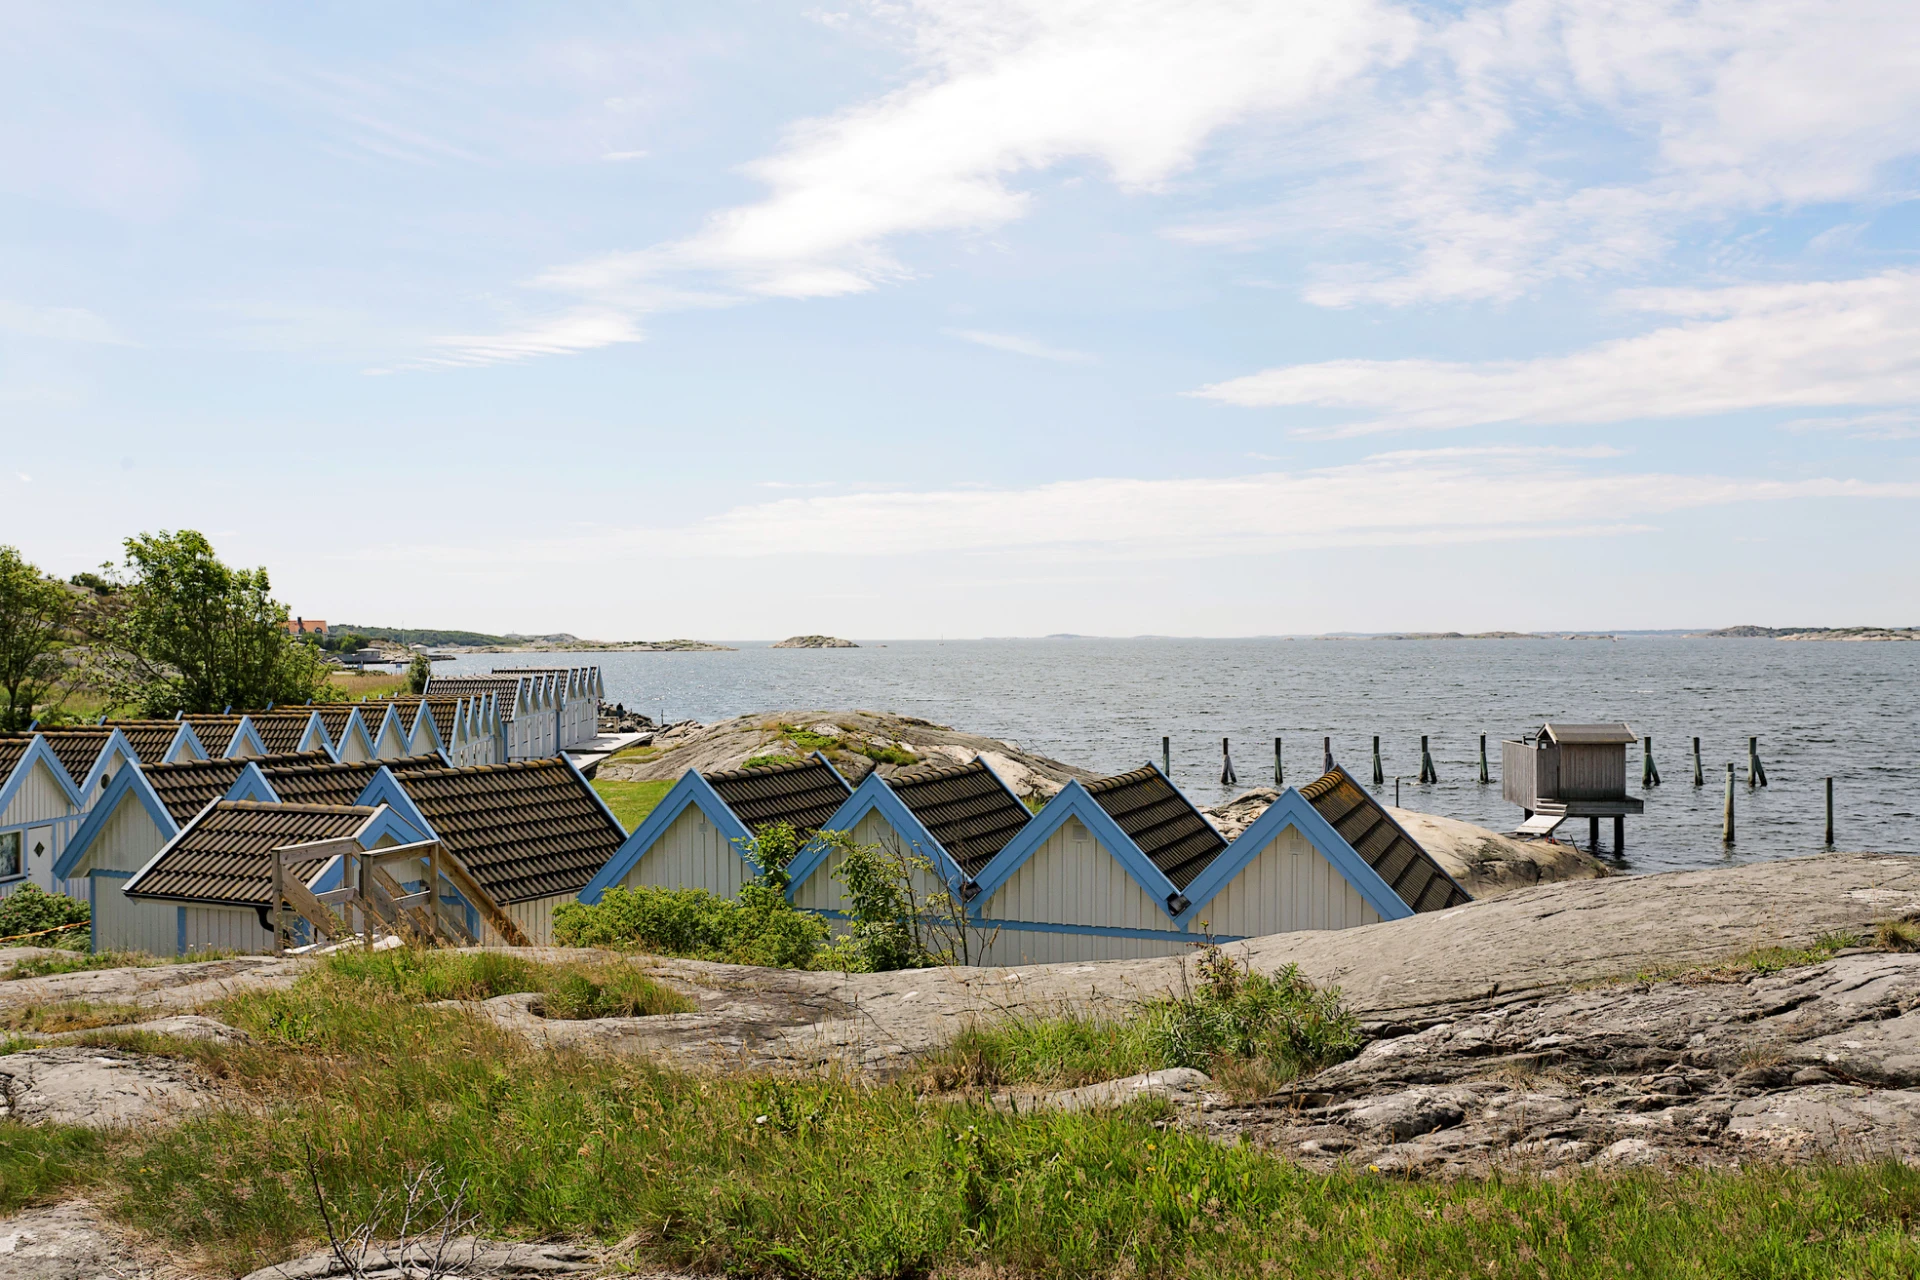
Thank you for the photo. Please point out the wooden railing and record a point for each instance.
(374, 897)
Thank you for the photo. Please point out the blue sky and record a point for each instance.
(975, 318)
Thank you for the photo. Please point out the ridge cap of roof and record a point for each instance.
(1117, 780)
(286, 806)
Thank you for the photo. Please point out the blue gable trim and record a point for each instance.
(692, 789)
(1293, 810)
(252, 736)
(873, 794)
(385, 789)
(38, 752)
(1075, 801)
(127, 780)
(252, 785)
(389, 821)
(315, 738)
(116, 741)
(186, 745)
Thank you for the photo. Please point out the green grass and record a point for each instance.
(67, 1015)
(1251, 1031)
(1759, 960)
(574, 990)
(631, 802)
(836, 1178)
(766, 762)
(78, 962)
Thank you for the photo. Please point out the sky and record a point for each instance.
(981, 317)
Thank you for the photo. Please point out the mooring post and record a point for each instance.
(1166, 755)
(1756, 772)
(1699, 778)
(1326, 746)
(1279, 773)
(1427, 773)
(1226, 766)
(1726, 820)
(1379, 774)
(1484, 775)
(1829, 813)
(1649, 775)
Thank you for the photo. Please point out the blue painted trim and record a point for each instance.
(186, 745)
(127, 780)
(389, 821)
(587, 786)
(252, 784)
(253, 738)
(873, 794)
(38, 752)
(385, 789)
(115, 740)
(433, 730)
(1104, 931)
(315, 738)
(1075, 801)
(692, 789)
(1294, 810)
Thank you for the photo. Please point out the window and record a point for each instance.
(9, 855)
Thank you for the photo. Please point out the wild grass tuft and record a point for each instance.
(1898, 935)
(615, 991)
(78, 962)
(67, 1015)
(1253, 1031)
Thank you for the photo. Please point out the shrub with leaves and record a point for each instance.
(30, 909)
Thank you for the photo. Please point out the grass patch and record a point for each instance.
(1760, 961)
(67, 1015)
(766, 762)
(1251, 1031)
(80, 962)
(839, 746)
(631, 802)
(351, 686)
(576, 990)
(617, 991)
(1897, 935)
(636, 755)
(833, 1178)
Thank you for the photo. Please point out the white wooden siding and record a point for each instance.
(121, 923)
(823, 891)
(1289, 886)
(40, 799)
(1072, 879)
(225, 929)
(691, 854)
(127, 841)
(534, 917)
(1013, 946)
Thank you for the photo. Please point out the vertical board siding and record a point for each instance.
(1289, 886)
(823, 890)
(225, 929)
(535, 918)
(127, 841)
(121, 923)
(691, 854)
(1072, 879)
(1011, 946)
(1592, 773)
(39, 799)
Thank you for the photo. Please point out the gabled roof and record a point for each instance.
(77, 748)
(1160, 821)
(803, 794)
(282, 730)
(1410, 871)
(317, 780)
(17, 758)
(214, 731)
(529, 829)
(963, 806)
(1074, 802)
(191, 785)
(224, 854)
(446, 713)
(1589, 735)
(506, 690)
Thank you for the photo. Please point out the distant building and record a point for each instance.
(306, 627)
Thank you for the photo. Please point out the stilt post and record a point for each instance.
(1726, 818)
(1427, 773)
(1619, 834)
(1326, 745)
(1756, 772)
(1649, 775)
(1593, 834)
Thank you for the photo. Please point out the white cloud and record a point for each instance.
(65, 324)
(624, 155)
(1412, 497)
(580, 329)
(1864, 426)
(1020, 346)
(1843, 343)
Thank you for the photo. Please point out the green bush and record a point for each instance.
(760, 927)
(30, 909)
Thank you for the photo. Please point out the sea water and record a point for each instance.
(1845, 710)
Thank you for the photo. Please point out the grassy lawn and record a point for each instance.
(631, 802)
(355, 685)
(368, 1082)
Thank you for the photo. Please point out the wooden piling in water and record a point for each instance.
(1379, 774)
(1484, 775)
(1326, 745)
(1227, 778)
(1279, 773)
(1829, 813)
(1649, 771)
(1427, 773)
(1699, 778)
(1756, 772)
(1726, 817)
(1166, 755)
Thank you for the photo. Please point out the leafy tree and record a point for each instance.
(36, 614)
(419, 671)
(186, 632)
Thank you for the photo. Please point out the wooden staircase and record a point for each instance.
(416, 892)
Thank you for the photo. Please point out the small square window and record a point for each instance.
(9, 854)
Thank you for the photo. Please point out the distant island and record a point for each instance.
(482, 642)
(815, 642)
(1811, 633)
(1478, 635)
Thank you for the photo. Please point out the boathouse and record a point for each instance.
(1570, 771)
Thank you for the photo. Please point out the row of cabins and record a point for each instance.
(542, 711)
(1118, 868)
(175, 856)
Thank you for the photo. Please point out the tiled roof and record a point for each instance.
(148, 738)
(224, 854)
(12, 751)
(445, 713)
(215, 732)
(530, 829)
(317, 780)
(191, 785)
(803, 795)
(964, 807)
(334, 716)
(1162, 821)
(281, 730)
(75, 748)
(506, 690)
(1363, 823)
